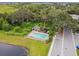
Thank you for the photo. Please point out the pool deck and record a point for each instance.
(30, 35)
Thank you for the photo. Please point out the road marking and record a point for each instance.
(74, 43)
(52, 44)
(62, 43)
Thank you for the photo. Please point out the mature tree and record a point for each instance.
(19, 16)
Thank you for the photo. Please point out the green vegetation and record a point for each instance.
(7, 9)
(52, 18)
(36, 48)
(17, 20)
(78, 52)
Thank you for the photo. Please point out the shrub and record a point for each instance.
(17, 29)
(6, 27)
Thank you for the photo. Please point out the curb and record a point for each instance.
(74, 43)
(62, 43)
(51, 47)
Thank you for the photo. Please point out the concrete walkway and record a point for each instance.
(64, 45)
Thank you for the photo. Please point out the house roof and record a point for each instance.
(36, 27)
(74, 16)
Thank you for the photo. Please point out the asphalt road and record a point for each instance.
(64, 45)
(56, 51)
(68, 43)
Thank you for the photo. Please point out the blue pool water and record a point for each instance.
(40, 36)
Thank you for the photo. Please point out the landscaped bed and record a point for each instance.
(36, 48)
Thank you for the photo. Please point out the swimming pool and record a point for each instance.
(39, 35)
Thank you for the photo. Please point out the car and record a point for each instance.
(77, 46)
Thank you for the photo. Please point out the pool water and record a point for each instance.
(40, 36)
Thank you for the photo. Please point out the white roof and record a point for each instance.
(74, 16)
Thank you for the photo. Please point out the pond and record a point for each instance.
(12, 50)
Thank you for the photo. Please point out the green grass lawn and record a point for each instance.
(7, 9)
(35, 47)
(78, 52)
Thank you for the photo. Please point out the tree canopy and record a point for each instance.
(56, 15)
